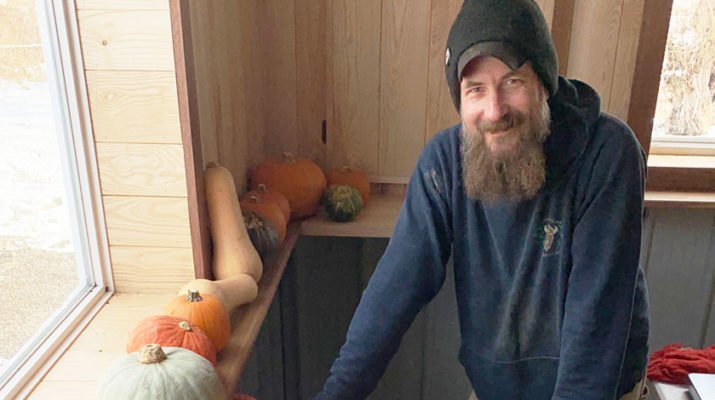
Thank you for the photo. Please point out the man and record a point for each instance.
(538, 196)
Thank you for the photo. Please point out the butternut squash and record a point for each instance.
(233, 292)
(233, 252)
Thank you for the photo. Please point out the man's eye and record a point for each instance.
(513, 82)
(476, 90)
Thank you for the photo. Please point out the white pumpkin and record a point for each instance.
(156, 373)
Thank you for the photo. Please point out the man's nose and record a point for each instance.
(495, 108)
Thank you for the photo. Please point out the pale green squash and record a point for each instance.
(156, 373)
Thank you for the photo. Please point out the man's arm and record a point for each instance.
(602, 284)
(407, 277)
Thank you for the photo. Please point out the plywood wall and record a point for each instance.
(128, 56)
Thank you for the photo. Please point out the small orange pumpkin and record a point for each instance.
(269, 210)
(272, 196)
(168, 331)
(301, 181)
(205, 311)
(351, 177)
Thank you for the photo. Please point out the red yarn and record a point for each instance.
(673, 363)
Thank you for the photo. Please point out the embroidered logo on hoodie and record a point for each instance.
(548, 235)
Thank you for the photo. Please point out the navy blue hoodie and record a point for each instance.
(552, 302)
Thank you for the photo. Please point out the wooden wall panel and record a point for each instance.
(122, 5)
(594, 42)
(229, 82)
(403, 84)
(126, 40)
(147, 221)
(440, 109)
(311, 86)
(277, 42)
(142, 169)
(547, 8)
(624, 65)
(353, 134)
(151, 269)
(134, 106)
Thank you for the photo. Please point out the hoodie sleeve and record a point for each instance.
(409, 275)
(602, 284)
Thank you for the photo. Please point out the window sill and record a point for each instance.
(680, 181)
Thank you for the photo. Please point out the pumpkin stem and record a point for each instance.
(262, 188)
(289, 158)
(211, 164)
(194, 296)
(151, 354)
(185, 326)
(345, 168)
(255, 199)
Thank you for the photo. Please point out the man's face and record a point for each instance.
(505, 120)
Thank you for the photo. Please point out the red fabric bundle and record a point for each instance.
(673, 363)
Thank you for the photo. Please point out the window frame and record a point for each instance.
(59, 24)
(671, 171)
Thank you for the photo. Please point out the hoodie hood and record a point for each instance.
(575, 110)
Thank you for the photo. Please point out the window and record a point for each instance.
(53, 258)
(684, 121)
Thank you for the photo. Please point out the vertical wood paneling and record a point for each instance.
(277, 43)
(594, 41)
(680, 275)
(229, 78)
(625, 63)
(126, 40)
(440, 109)
(311, 45)
(353, 134)
(403, 84)
(134, 106)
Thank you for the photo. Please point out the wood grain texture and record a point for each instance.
(126, 40)
(229, 72)
(625, 63)
(147, 221)
(142, 169)
(440, 109)
(122, 5)
(277, 44)
(403, 84)
(353, 135)
(649, 62)
(151, 269)
(311, 87)
(191, 137)
(594, 42)
(561, 27)
(134, 106)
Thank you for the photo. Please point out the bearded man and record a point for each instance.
(538, 197)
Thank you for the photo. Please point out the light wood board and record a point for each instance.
(134, 106)
(147, 221)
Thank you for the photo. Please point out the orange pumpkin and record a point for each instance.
(351, 177)
(168, 331)
(272, 196)
(301, 181)
(269, 210)
(205, 311)
(242, 396)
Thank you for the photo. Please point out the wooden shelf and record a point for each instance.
(246, 321)
(661, 199)
(376, 220)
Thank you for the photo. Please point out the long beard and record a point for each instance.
(515, 174)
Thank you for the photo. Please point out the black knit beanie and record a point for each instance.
(513, 31)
